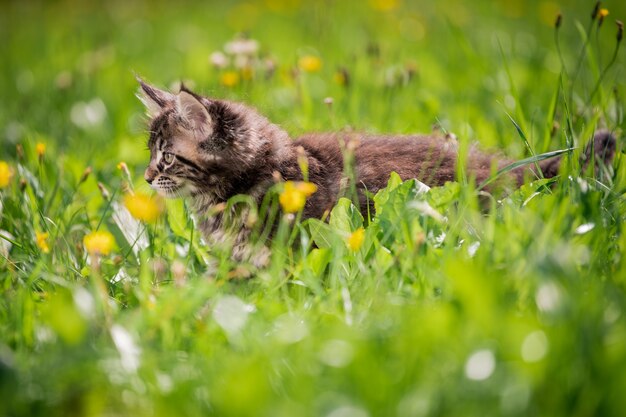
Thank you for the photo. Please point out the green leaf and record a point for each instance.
(529, 191)
(345, 217)
(317, 260)
(177, 217)
(441, 197)
(321, 233)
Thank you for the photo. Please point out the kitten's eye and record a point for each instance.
(168, 158)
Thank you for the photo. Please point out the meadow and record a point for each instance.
(447, 302)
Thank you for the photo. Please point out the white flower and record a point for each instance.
(242, 47)
(218, 59)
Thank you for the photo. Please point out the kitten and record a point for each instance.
(209, 150)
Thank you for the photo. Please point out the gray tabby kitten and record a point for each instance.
(209, 150)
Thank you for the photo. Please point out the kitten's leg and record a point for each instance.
(245, 251)
(235, 238)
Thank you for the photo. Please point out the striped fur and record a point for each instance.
(210, 150)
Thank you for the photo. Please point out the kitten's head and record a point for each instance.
(197, 145)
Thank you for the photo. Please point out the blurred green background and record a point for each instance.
(63, 58)
(519, 310)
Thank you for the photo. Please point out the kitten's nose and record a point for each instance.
(149, 175)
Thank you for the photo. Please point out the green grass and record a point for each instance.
(511, 305)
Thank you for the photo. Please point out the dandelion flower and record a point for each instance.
(355, 240)
(384, 5)
(143, 207)
(99, 243)
(306, 188)
(294, 196)
(310, 63)
(5, 174)
(230, 79)
(42, 241)
(40, 148)
(603, 13)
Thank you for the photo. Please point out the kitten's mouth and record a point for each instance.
(173, 191)
(170, 192)
(168, 187)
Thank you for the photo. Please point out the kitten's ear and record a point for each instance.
(192, 110)
(153, 98)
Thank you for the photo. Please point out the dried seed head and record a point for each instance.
(105, 193)
(276, 177)
(126, 188)
(124, 168)
(352, 144)
(555, 129)
(85, 175)
(620, 30)
(20, 151)
(596, 9)
(558, 21)
(303, 161)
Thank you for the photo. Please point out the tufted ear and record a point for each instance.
(153, 98)
(191, 109)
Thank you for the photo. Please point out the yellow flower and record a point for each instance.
(42, 241)
(5, 174)
(143, 207)
(355, 240)
(293, 197)
(603, 13)
(40, 148)
(306, 188)
(230, 79)
(99, 243)
(384, 5)
(310, 63)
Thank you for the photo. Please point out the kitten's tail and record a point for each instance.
(601, 150)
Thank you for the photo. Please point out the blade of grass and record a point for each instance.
(518, 108)
(525, 140)
(532, 160)
(552, 113)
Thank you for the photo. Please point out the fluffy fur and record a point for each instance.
(210, 150)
